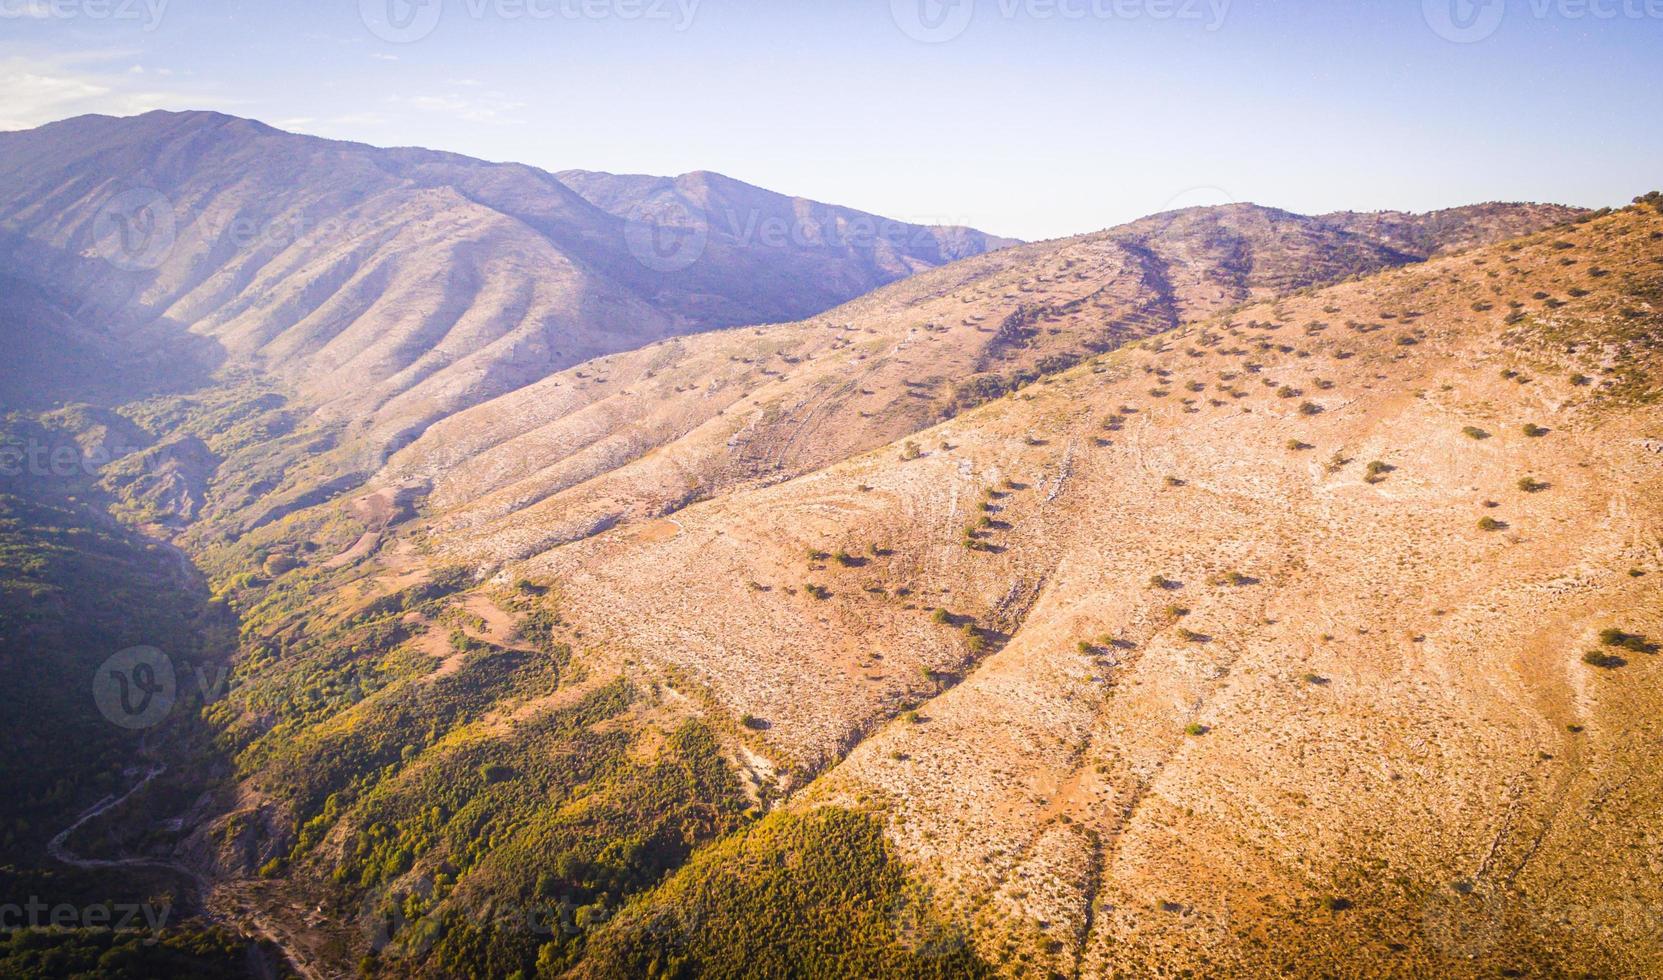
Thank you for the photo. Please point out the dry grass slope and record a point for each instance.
(1234, 670)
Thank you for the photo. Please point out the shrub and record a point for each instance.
(1474, 432)
(1534, 431)
(941, 617)
(277, 564)
(1531, 485)
(1196, 728)
(1310, 408)
(1628, 641)
(817, 591)
(1490, 524)
(1296, 446)
(1606, 661)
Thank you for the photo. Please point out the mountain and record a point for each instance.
(1319, 622)
(390, 287)
(802, 256)
(642, 433)
(376, 291)
(1231, 592)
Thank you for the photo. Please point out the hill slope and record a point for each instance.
(1271, 635)
(829, 253)
(643, 433)
(1207, 649)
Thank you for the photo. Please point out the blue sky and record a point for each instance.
(1032, 118)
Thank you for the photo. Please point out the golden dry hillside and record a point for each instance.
(1328, 626)
(1319, 623)
(644, 433)
(1313, 636)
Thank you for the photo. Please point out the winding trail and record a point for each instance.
(59, 851)
(245, 917)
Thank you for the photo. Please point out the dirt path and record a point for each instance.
(245, 919)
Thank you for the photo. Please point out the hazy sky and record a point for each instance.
(1032, 118)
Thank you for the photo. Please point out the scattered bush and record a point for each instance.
(1491, 524)
(1605, 661)
(1474, 432)
(1628, 641)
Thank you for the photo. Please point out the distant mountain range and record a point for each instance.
(394, 286)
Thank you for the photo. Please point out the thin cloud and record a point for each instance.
(40, 90)
(492, 107)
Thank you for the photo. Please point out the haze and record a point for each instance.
(1031, 119)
